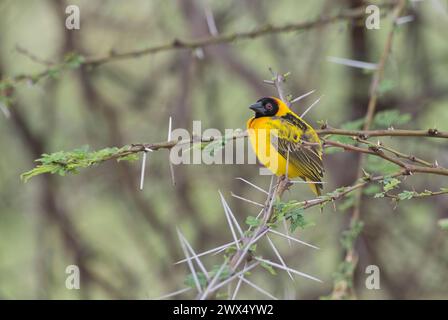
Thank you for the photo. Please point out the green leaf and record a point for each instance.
(293, 212)
(63, 162)
(406, 195)
(74, 60)
(269, 268)
(391, 184)
(252, 221)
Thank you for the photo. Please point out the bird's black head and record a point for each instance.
(265, 107)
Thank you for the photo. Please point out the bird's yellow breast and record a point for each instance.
(259, 132)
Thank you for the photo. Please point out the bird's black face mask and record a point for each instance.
(265, 107)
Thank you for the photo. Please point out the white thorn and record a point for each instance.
(170, 129)
(5, 110)
(259, 213)
(175, 293)
(247, 200)
(286, 268)
(247, 247)
(199, 53)
(279, 257)
(353, 63)
(211, 22)
(307, 182)
(212, 283)
(310, 107)
(302, 96)
(232, 216)
(236, 275)
(252, 185)
(237, 288)
(224, 246)
(173, 179)
(190, 264)
(285, 226)
(253, 285)
(293, 239)
(229, 220)
(170, 124)
(195, 257)
(405, 19)
(269, 82)
(142, 171)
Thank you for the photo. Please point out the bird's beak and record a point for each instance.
(257, 107)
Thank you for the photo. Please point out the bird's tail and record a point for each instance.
(315, 187)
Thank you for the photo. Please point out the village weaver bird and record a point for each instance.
(284, 143)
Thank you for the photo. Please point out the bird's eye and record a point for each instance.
(268, 107)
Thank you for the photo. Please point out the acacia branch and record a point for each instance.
(365, 134)
(376, 151)
(360, 135)
(396, 153)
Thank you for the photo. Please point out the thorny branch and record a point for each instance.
(356, 134)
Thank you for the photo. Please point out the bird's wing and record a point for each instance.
(305, 150)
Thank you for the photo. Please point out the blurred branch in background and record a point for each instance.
(74, 60)
(343, 288)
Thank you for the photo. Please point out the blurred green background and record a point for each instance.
(123, 239)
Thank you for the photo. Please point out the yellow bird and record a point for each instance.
(283, 142)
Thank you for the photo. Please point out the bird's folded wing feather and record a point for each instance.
(305, 151)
